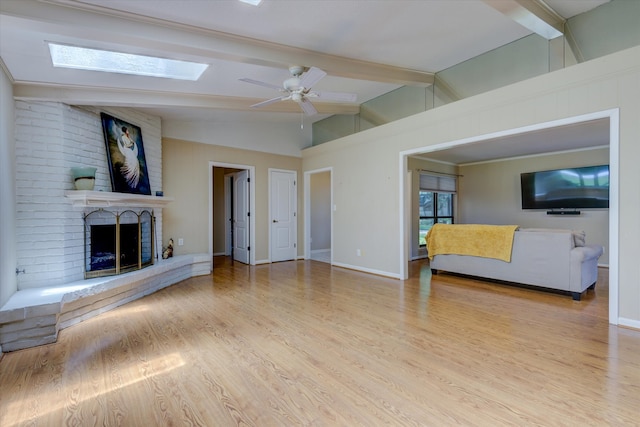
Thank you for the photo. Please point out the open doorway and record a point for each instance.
(611, 117)
(318, 213)
(231, 201)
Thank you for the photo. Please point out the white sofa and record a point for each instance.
(554, 259)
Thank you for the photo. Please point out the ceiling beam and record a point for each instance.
(80, 95)
(535, 15)
(103, 26)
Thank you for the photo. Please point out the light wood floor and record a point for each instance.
(301, 343)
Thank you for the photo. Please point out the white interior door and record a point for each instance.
(241, 217)
(284, 223)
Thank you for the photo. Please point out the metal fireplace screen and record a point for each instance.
(116, 243)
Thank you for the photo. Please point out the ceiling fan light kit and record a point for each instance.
(298, 89)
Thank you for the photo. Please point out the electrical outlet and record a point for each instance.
(358, 252)
(180, 242)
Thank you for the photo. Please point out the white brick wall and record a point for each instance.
(50, 139)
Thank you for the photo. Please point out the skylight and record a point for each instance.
(252, 2)
(83, 58)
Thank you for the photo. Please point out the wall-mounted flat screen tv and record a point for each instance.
(569, 188)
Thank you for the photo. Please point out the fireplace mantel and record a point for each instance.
(103, 199)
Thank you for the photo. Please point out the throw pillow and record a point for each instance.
(579, 237)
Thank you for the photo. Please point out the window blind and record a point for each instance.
(438, 183)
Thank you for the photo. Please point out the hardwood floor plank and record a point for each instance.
(302, 343)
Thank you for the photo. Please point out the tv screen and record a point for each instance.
(569, 188)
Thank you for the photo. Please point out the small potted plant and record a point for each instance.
(84, 177)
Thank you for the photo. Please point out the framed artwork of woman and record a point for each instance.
(125, 155)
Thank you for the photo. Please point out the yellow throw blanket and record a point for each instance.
(487, 241)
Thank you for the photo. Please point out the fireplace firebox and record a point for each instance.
(118, 242)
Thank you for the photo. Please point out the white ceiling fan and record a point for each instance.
(298, 88)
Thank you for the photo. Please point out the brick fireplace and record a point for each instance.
(53, 292)
(50, 139)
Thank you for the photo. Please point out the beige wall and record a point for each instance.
(186, 179)
(366, 165)
(320, 210)
(218, 211)
(489, 193)
(365, 198)
(275, 138)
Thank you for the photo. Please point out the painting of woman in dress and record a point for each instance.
(125, 153)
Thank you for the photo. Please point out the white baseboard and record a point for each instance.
(219, 254)
(367, 270)
(320, 251)
(630, 323)
(266, 261)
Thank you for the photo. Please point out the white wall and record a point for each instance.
(50, 139)
(8, 281)
(366, 166)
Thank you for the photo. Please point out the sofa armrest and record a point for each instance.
(584, 267)
(586, 253)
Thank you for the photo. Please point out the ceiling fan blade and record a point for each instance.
(311, 77)
(264, 84)
(270, 101)
(336, 96)
(308, 107)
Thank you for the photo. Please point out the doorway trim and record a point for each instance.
(252, 204)
(614, 146)
(307, 209)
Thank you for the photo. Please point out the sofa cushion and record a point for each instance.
(548, 230)
(579, 236)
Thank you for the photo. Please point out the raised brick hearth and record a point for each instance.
(34, 316)
(52, 293)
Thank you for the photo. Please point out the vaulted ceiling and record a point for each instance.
(367, 47)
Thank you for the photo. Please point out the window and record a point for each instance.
(435, 203)
(84, 58)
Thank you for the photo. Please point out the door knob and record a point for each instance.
(274, 221)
